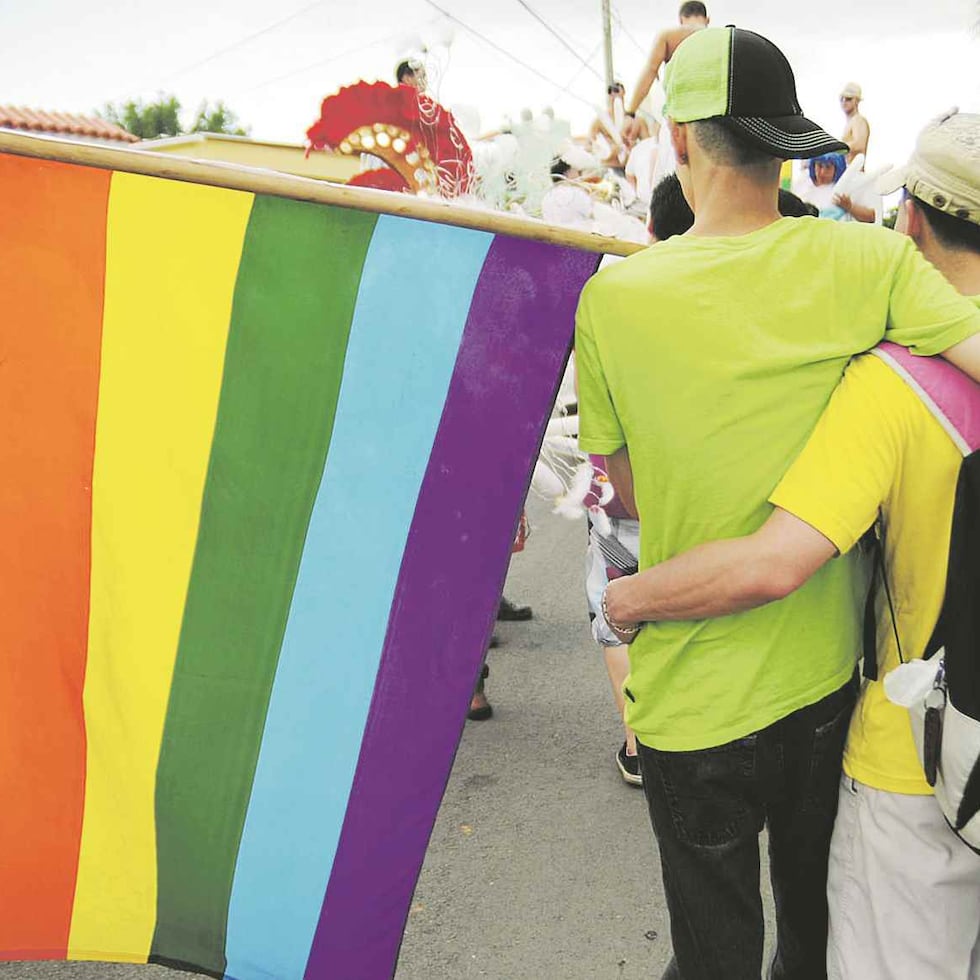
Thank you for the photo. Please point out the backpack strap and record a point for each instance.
(951, 396)
(876, 534)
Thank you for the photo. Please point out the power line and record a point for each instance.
(555, 34)
(578, 71)
(622, 27)
(324, 61)
(574, 41)
(251, 37)
(503, 51)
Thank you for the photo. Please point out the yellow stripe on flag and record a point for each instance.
(173, 251)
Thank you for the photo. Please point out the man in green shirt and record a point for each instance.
(701, 405)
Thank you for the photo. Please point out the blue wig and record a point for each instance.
(837, 159)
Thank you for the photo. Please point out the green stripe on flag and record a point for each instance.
(294, 301)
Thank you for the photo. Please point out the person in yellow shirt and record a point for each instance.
(903, 890)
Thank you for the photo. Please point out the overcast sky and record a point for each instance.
(913, 59)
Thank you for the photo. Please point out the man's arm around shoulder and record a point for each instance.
(719, 578)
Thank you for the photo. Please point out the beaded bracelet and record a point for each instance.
(625, 630)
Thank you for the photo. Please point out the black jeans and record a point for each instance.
(708, 808)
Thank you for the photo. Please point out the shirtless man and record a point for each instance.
(857, 130)
(693, 16)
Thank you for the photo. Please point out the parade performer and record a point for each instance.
(416, 137)
(606, 132)
(840, 192)
(857, 130)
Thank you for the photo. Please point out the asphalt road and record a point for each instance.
(542, 864)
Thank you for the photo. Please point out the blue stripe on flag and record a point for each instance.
(415, 293)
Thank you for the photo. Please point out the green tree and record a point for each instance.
(162, 118)
(217, 119)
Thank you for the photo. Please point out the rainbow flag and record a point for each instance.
(262, 466)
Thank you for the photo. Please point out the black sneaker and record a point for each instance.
(515, 614)
(629, 767)
(480, 707)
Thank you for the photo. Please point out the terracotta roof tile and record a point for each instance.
(19, 117)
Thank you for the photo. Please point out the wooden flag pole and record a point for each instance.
(260, 181)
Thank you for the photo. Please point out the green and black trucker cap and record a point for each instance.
(743, 80)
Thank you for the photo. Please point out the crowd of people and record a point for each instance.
(602, 181)
(629, 145)
(726, 391)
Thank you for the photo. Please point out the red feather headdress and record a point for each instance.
(414, 135)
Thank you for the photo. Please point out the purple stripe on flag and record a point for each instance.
(514, 345)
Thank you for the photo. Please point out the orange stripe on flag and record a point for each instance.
(52, 267)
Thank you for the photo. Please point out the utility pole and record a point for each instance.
(607, 42)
